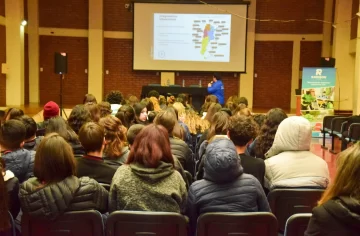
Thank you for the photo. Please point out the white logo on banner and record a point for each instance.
(318, 71)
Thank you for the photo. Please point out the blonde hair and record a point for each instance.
(195, 123)
(155, 102)
(346, 182)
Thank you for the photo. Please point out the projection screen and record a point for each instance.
(189, 37)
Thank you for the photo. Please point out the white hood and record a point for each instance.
(293, 134)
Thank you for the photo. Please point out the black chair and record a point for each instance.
(228, 223)
(130, 223)
(338, 125)
(189, 177)
(76, 223)
(287, 202)
(13, 230)
(106, 186)
(354, 133)
(326, 128)
(297, 224)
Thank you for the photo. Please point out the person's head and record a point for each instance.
(219, 124)
(170, 100)
(231, 106)
(141, 111)
(151, 147)
(162, 100)
(114, 97)
(151, 116)
(216, 77)
(132, 132)
(242, 130)
(211, 98)
(51, 109)
(293, 134)
(179, 107)
(30, 126)
(92, 137)
(115, 136)
(213, 108)
(89, 98)
(4, 207)
(184, 97)
(13, 113)
(222, 163)
(58, 125)
(242, 111)
(167, 119)
(12, 134)
(78, 116)
(259, 119)
(54, 160)
(105, 109)
(148, 103)
(346, 181)
(155, 103)
(153, 93)
(243, 100)
(132, 100)
(126, 115)
(94, 110)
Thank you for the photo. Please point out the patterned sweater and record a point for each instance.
(138, 188)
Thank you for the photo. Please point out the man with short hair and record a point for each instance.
(242, 130)
(92, 138)
(31, 141)
(17, 159)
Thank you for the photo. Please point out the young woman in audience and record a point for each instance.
(116, 150)
(59, 125)
(213, 108)
(133, 100)
(94, 110)
(89, 98)
(141, 113)
(105, 109)
(264, 141)
(225, 187)
(12, 188)
(289, 162)
(55, 189)
(148, 181)
(338, 212)
(5, 224)
(78, 116)
(126, 114)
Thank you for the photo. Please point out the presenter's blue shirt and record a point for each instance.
(217, 89)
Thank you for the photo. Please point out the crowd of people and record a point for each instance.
(159, 154)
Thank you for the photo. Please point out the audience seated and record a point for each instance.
(13, 113)
(17, 159)
(289, 161)
(116, 151)
(148, 181)
(92, 138)
(55, 189)
(155, 103)
(162, 102)
(132, 100)
(89, 98)
(241, 131)
(141, 113)
(126, 114)
(51, 109)
(94, 110)
(5, 223)
(264, 141)
(31, 141)
(225, 188)
(78, 116)
(115, 98)
(338, 212)
(12, 188)
(105, 109)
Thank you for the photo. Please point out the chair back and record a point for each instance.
(229, 223)
(130, 223)
(327, 123)
(106, 186)
(354, 132)
(297, 224)
(287, 202)
(76, 223)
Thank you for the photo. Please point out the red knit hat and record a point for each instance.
(51, 109)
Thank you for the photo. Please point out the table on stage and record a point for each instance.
(196, 94)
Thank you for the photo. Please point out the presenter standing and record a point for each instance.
(216, 87)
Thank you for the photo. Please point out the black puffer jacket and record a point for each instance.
(183, 153)
(71, 194)
(224, 188)
(339, 216)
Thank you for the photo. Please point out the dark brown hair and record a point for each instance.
(78, 116)
(12, 134)
(94, 110)
(58, 125)
(167, 119)
(13, 113)
(219, 124)
(89, 98)
(54, 160)
(126, 114)
(91, 136)
(242, 129)
(105, 109)
(151, 146)
(30, 126)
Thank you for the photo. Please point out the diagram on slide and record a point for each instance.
(192, 37)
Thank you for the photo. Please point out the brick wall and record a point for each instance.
(26, 68)
(354, 22)
(290, 10)
(2, 60)
(64, 14)
(2, 7)
(116, 17)
(310, 54)
(118, 54)
(273, 66)
(75, 84)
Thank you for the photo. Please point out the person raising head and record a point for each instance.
(55, 189)
(148, 181)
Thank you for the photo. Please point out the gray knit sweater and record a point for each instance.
(138, 188)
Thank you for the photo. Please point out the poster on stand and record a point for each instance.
(317, 98)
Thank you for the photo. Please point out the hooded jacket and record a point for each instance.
(70, 194)
(138, 188)
(339, 216)
(225, 188)
(183, 153)
(289, 161)
(20, 162)
(12, 188)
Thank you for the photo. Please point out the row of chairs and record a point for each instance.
(131, 223)
(284, 203)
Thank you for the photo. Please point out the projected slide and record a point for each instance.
(192, 37)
